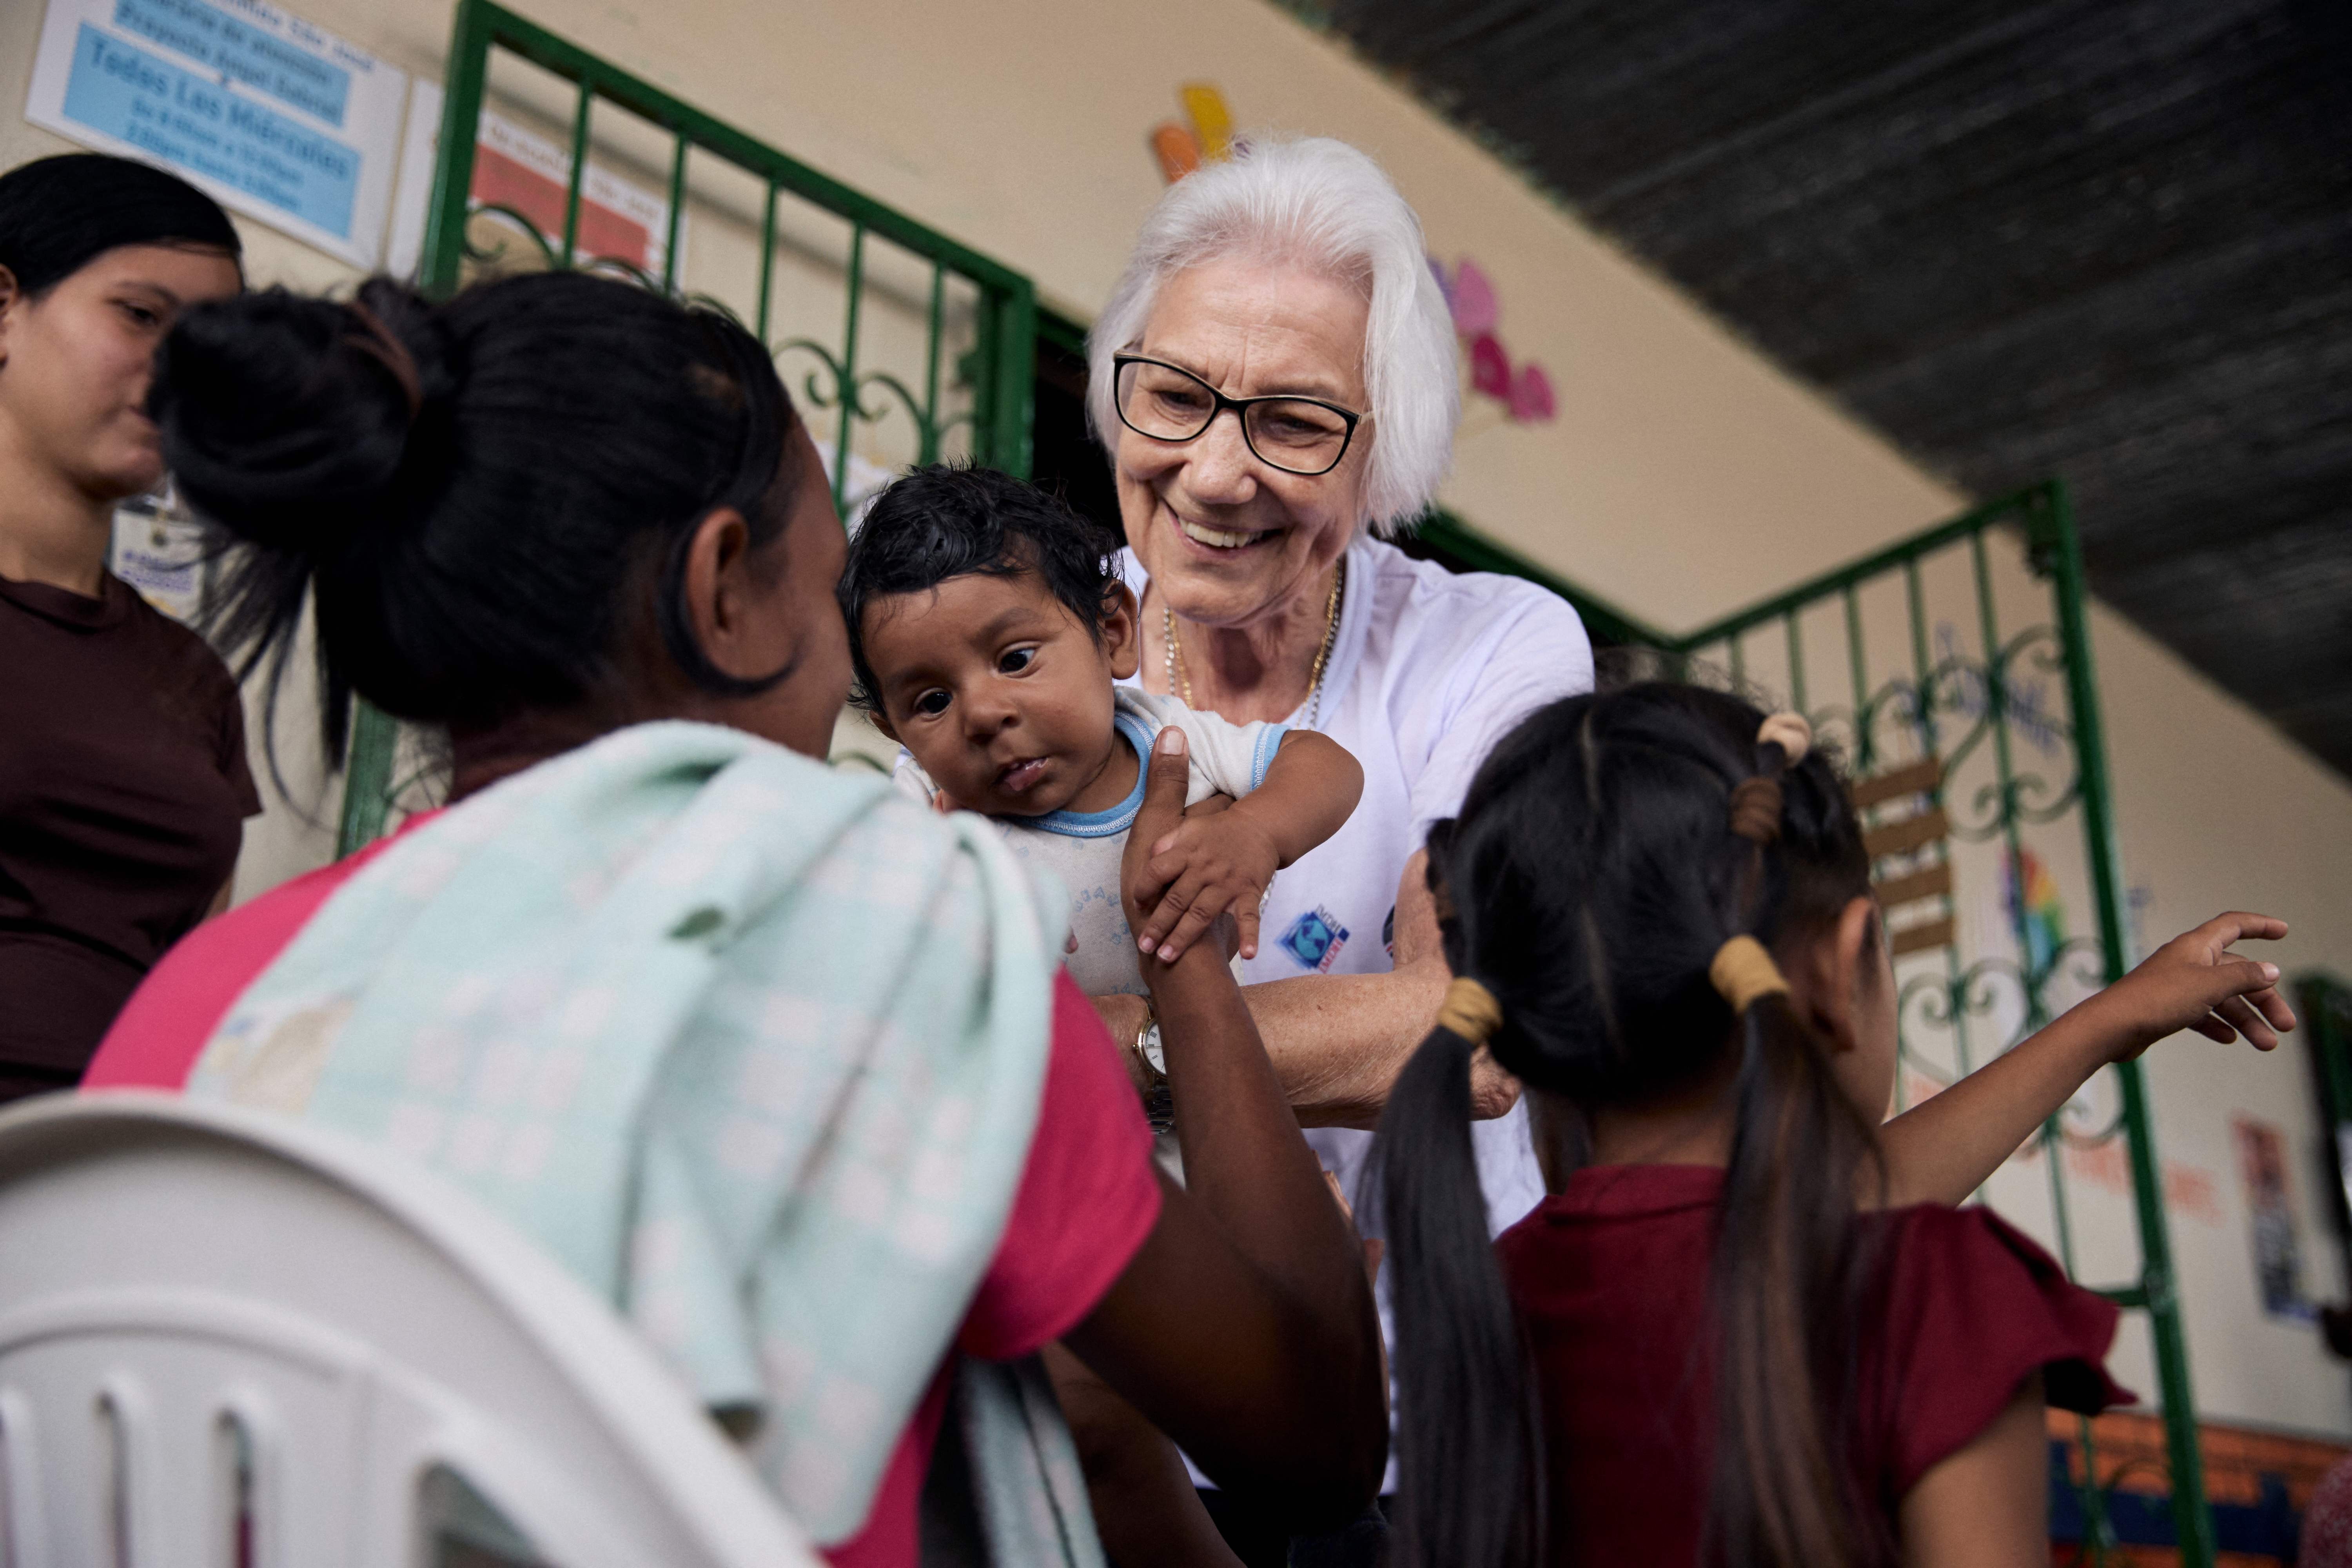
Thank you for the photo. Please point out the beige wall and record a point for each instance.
(1683, 477)
(2216, 811)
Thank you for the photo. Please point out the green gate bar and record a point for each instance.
(2041, 516)
(1000, 371)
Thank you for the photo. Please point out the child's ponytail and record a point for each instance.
(1786, 1273)
(1469, 1452)
(1785, 1288)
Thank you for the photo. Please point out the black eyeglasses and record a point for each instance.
(1303, 436)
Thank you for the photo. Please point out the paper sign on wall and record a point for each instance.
(164, 554)
(514, 168)
(277, 119)
(2270, 1214)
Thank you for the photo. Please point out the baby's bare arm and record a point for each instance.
(1203, 867)
(1311, 786)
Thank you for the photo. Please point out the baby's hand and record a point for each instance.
(1204, 866)
(2194, 982)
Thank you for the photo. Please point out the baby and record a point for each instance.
(988, 634)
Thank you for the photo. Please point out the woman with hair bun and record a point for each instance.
(781, 1063)
(122, 772)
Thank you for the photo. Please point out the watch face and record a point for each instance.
(1151, 1051)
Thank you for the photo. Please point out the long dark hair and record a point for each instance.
(57, 214)
(479, 494)
(1589, 881)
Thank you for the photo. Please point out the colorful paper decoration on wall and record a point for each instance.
(1205, 134)
(1176, 147)
(1212, 122)
(2032, 893)
(1524, 390)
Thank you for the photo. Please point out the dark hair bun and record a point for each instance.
(299, 422)
(477, 497)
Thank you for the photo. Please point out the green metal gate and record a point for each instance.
(954, 378)
(1976, 744)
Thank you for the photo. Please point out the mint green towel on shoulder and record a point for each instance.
(754, 1046)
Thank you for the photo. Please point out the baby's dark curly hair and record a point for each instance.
(950, 519)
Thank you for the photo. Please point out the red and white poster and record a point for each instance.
(618, 221)
(516, 168)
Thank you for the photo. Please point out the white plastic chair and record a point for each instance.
(229, 1340)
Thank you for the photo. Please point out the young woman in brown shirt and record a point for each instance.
(122, 774)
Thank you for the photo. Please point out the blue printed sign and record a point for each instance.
(129, 94)
(277, 119)
(211, 37)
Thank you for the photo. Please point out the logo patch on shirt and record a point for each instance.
(1315, 940)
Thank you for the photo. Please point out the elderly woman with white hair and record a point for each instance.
(1290, 289)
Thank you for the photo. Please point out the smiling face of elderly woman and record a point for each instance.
(1228, 540)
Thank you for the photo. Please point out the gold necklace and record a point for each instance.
(1182, 679)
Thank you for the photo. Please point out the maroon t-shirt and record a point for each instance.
(122, 785)
(1610, 1280)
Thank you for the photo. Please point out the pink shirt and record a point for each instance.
(1088, 1197)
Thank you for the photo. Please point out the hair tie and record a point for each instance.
(1756, 809)
(1756, 803)
(1789, 732)
(382, 344)
(1744, 972)
(1470, 1011)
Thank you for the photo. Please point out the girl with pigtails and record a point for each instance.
(1733, 1333)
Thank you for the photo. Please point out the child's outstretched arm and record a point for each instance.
(1206, 866)
(1943, 1149)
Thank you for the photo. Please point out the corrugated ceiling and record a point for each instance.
(2108, 241)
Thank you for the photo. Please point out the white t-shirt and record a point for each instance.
(1083, 850)
(1429, 670)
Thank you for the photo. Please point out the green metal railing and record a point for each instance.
(1937, 699)
(1457, 545)
(982, 395)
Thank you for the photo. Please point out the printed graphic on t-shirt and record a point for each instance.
(1388, 934)
(1315, 940)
